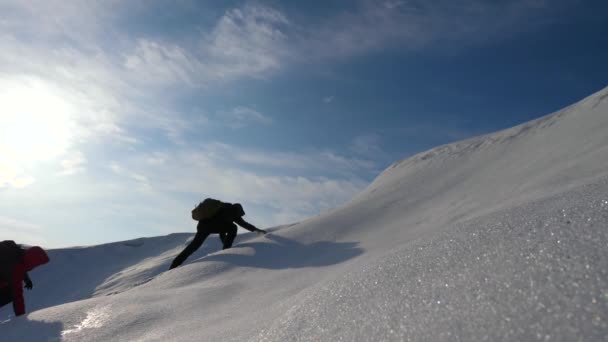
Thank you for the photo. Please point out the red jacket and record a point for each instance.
(32, 258)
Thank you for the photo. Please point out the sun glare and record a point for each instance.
(34, 123)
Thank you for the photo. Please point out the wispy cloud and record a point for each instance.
(20, 231)
(443, 25)
(368, 145)
(255, 40)
(13, 176)
(71, 45)
(282, 192)
(112, 77)
(163, 64)
(73, 164)
(86, 83)
(56, 20)
(248, 41)
(245, 42)
(242, 116)
(73, 85)
(312, 162)
(135, 176)
(315, 182)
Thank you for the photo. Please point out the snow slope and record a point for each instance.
(499, 237)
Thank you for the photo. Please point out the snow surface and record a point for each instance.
(499, 237)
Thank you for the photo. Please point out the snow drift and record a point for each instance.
(499, 237)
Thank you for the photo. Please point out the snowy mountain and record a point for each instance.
(499, 237)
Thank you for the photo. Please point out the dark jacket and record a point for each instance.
(224, 219)
(15, 264)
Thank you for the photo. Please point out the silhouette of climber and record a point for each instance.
(223, 223)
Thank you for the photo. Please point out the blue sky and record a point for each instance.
(116, 117)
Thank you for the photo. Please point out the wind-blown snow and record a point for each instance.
(499, 237)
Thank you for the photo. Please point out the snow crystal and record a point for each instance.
(532, 272)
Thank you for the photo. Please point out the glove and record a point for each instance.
(28, 284)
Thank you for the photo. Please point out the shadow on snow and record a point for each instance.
(282, 253)
(22, 329)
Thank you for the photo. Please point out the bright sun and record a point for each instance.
(34, 123)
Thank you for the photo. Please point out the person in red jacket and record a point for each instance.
(14, 266)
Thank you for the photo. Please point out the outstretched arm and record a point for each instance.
(247, 225)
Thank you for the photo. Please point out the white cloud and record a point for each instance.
(78, 21)
(242, 116)
(87, 83)
(313, 162)
(11, 175)
(21, 232)
(44, 120)
(163, 64)
(255, 40)
(116, 168)
(444, 25)
(368, 145)
(284, 193)
(120, 170)
(232, 174)
(247, 41)
(73, 164)
(157, 158)
(112, 88)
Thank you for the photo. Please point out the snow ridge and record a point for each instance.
(499, 237)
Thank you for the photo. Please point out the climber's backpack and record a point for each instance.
(206, 209)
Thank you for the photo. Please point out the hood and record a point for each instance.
(237, 209)
(34, 257)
